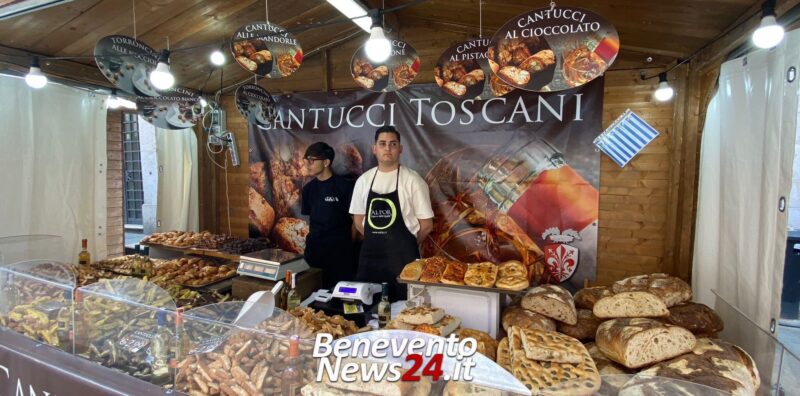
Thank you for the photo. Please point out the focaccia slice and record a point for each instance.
(550, 346)
(443, 328)
(454, 273)
(549, 378)
(421, 315)
(434, 268)
(481, 274)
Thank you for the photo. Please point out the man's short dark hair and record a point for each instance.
(387, 129)
(321, 150)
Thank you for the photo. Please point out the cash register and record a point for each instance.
(355, 301)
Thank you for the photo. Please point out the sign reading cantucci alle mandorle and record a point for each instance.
(552, 49)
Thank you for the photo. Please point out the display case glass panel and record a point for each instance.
(36, 300)
(128, 325)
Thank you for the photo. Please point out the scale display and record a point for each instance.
(271, 264)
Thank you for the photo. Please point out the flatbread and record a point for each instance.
(481, 274)
(412, 271)
(441, 328)
(549, 346)
(516, 283)
(512, 268)
(558, 378)
(421, 315)
(504, 354)
(454, 273)
(434, 268)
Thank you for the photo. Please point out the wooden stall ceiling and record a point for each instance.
(663, 30)
(646, 210)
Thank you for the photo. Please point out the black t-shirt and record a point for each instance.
(327, 203)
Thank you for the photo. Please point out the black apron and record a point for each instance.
(388, 244)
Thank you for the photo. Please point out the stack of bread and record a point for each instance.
(644, 324)
(425, 320)
(510, 275)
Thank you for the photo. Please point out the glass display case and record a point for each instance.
(36, 300)
(128, 325)
(225, 357)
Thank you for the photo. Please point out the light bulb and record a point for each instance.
(35, 78)
(113, 102)
(378, 48)
(203, 101)
(664, 92)
(161, 77)
(217, 58)
(769, 33)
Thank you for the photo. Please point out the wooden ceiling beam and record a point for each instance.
(66, 69)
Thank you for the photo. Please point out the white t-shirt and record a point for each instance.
(415, 200)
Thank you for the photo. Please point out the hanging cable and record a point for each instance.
(134, 18)
(266, 10)
(480, 18)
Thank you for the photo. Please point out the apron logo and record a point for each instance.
(390, 213)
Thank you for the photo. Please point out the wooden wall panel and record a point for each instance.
(115, 237)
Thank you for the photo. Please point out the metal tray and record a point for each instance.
(466, 287)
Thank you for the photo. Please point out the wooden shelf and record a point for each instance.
(195, 252)
(465, 287)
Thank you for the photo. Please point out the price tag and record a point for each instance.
(207, 345)
(353, 308)
(134, 341)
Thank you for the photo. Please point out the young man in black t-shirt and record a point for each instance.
(326, 200)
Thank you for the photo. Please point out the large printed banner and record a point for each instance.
(511, 178)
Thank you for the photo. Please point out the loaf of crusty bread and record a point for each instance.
(551, 301)
(586, 327)
(713, 363)
(630, 305)
(639, 342)
(586, 298)
(518, 316)
(697, 318)
(604, 365)
(669, 289)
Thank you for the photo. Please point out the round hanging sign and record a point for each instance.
(127, 63)
(395, 73)
(177, 108)
(256, 104)
(464, 72)
(552, 49)
(266, 49)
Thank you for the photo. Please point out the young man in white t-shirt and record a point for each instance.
(391, 207)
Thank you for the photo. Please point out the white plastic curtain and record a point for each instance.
(53, 164)
(745, 169)
(177, 207)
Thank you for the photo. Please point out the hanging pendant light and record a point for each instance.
(217, 58)
(664, 92)
(161, 76)
(35, 78)
(378, 48)
(769, 32)
(202, 100)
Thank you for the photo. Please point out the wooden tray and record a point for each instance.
(466, 287)
(209, 283)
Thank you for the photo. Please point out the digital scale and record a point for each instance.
(271, 264)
